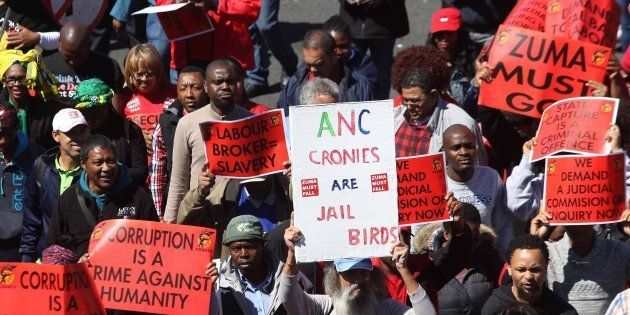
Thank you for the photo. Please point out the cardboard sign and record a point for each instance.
(85, 12)
(27, 288)
(576, 125)
(421, 189)
(533, 70)
(152, 267)
(590, 21)
(585, 189)
(248, 147)
(181, 20)
(344, 179)
(529, 14)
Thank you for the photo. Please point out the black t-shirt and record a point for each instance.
(549, 303)
(97, 65)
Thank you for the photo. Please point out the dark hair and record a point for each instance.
(238, 68)
(527, 241)
(8, 116)
(469, 214)
(96, 141)
(193, 69)
(419, 77)
(336, 24)
(319, 39)
(426, 57)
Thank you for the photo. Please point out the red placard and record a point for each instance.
(27, 288)
(590, 21)
(421, 189)
(529, 14)
(248, 147)
(152, 267)
(533, 70)
(585, 189)
(576, 125)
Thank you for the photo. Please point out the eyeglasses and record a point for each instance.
(14, 80)
(415, 102)
(143, 75)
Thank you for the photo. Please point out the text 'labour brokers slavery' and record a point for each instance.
(154, 277)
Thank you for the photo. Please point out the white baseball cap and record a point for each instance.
(67, 119)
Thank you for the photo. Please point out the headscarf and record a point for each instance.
(38, 78)
(93, 92)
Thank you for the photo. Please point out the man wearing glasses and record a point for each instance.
(424, 117)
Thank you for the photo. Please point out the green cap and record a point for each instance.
(91, 93)
(243, 228)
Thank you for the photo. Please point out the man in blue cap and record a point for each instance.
(353, 286)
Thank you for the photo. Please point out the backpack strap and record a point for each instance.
(86, 211)
(40, 170)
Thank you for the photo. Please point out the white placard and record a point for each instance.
(344, 179)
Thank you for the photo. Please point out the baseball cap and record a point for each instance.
(447, 19)
(346, 264)
(67, 119)
(243, 228)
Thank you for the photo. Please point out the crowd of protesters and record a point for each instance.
(83, 140)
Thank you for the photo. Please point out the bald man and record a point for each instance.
(75, 62)
(189, 156)
(480, 186)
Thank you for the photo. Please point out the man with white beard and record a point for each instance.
(353, 286)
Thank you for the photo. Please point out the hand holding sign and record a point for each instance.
(540, 224)
(613, 137)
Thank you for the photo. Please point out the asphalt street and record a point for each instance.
(299, 16)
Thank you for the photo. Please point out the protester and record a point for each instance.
(467, 291)
(375, 25)
(353, 286)
(94, 100)
(424, 117)
(242, 99)
(585, 270)
(148, 91)
(75, 62)
(191, 96)
(267, 35)
(27, 25)
(52, 174)
(17, 154)
(349, 54)
(478, 185)
(230, 37)
(319, 91)
(35, 112)
(189, 156)
(320, 60)
(527, 259)
(425, 57)
(104, 191)
(448, 35)
(432, 272)
(250, 278)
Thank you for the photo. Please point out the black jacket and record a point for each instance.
(354, 87)
(129, 143)
(70, 228)
(549, 302)
(41, 197)
(168, 123)
(384, 19)
(482, 16)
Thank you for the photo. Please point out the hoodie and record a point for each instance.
(13, 182)
(548, 304)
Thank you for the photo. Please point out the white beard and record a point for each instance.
(345, 303)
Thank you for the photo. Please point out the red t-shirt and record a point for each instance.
(145, 110)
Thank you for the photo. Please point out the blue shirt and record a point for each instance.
(264, 210)
(256, 294)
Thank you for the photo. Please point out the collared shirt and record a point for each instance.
(157, 171)
(66, 176)
(412, 138)
(258, 295)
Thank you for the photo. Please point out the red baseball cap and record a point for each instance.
(447, 19)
